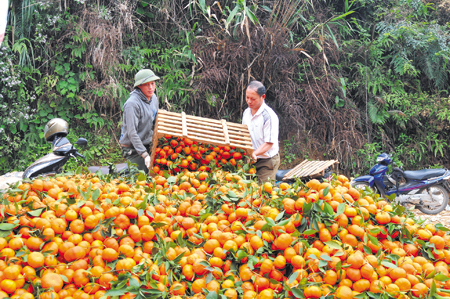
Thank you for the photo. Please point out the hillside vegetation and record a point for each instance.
(348, 79)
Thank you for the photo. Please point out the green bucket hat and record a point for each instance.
(144, 76)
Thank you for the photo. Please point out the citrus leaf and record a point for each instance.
(441, 277)
(340, 209)
(388, 264)
(293, 277)
(8, 226)
(36, 213)
(333, 244)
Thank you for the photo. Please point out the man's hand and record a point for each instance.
(147, 162)
(254, 156)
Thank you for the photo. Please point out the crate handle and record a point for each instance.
(184, 124)
(225, 131)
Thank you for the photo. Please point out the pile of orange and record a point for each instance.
(213, 235)
(173, 155)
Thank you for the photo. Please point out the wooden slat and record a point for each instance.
(170, 121)
(249, 142)
(312, 168)
(193, 131)
(168, 128)
(296, 168)
(155, 139)
(169, 125)
(177, 134)
(165, 112)
(213, 138)
(204, 123)
(184, 124)
(309, 168)
(207, 120)
(247, 145)
(225, 131)
(238, 134)
(203, 127)
(205, 140)
(242, 146)
(238, 126)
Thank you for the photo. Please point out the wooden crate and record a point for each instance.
(204, 130)
(309, 169)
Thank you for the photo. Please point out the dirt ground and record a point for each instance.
(9, 178)
(443, 217)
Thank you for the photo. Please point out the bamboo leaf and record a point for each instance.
(342, 16)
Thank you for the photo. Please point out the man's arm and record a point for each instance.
(131, 118)
(262, 149)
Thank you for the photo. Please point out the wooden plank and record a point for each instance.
(183, 124)
(205, 140)
(155, 139)
(215, 129)
(323, 167)
(238, 134)
(208, 120)
(178, 134)
(296, 168)
(309, 169)
(165, 112)
(193, 131)
(170, 125)
(317, 169)
(207, 137)
(225, 131)
(171, 118)
(297, 171)
(239, 144)
(242, 146)
(237, 126)
(204, 123)
(169, 128)
(170, 121)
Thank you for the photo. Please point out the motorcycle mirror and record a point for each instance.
(81, 141)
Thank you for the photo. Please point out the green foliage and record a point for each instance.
(289, 155)
(76, 59)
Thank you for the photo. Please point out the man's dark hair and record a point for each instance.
(258, 87)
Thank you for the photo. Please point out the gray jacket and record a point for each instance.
(138, 116)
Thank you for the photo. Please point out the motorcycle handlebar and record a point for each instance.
(80, 155)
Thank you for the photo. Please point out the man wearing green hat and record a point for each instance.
(139, 114)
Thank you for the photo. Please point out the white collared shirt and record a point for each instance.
(263, 127)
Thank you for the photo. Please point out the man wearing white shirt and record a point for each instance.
(263, 125)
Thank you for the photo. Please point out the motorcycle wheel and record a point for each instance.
(362, 186)
(439, 193)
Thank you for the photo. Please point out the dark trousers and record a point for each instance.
(131, 155)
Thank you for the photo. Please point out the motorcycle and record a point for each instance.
(426, 189)
(63, 150)
(52, 163)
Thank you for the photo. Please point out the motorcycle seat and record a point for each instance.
(281, 173)
(424, 174)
